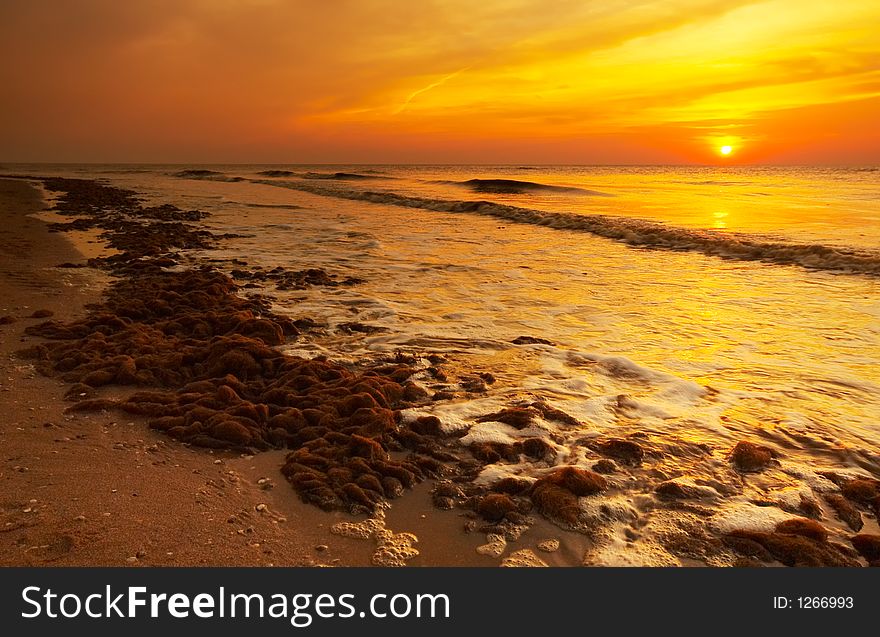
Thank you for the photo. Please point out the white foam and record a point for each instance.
(454, 416)
(813, 479)
(392, 549)
(606, 510)
(549, 546)
(749, 517)
(494, 546)
(618, 367)
(490, 431)
(496, 472)
(523, 557)
(644, 553)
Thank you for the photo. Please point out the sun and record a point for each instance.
(726, 150)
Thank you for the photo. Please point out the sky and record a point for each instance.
(453, 81)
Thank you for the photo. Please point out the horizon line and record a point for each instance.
(500, 165)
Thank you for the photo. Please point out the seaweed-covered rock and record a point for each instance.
(748, 457)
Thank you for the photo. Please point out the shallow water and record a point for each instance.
(689, 350)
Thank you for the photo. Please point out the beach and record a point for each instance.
(191, 397)
(91, 490)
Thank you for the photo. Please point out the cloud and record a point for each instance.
(257, 79)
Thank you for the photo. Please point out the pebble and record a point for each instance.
(131, 560)
(80, 518)
(321, 547)
(261, 507)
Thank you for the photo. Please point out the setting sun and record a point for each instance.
(726, 150)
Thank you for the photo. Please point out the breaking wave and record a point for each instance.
(210, 175)
(342, 176)
(516, 186)
(633, 232)
(277, 173)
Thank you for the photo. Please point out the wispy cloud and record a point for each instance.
(391, 79)
(425, 89)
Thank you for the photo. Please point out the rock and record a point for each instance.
(531, 340)
(868, 546)
(495, 506)
(791, 550)
(677, 490)
(605, 466)
(518, 417)
(426, 426)
(748, 457)
(556, 494)
(625, 451)
(845, 511)
(803, 526)
(862, 490)
(265, 484)
(512, 486)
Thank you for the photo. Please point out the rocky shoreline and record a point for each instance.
(201, 361)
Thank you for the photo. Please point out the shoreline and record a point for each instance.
(93, 489)
(178, 346)
(227, 508)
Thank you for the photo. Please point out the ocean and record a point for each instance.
(687, 308)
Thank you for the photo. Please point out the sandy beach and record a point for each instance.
(98, 489)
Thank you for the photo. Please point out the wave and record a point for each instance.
(633, 232)
(209, 175)
(277, 173)
(196, 172)
(715, 182)
(365, 174)
(286, 206)
(518, 187)
(342, 176)
(125, 171)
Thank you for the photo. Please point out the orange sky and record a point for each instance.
(454, 81)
